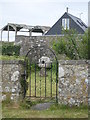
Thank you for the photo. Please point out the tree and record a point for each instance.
(72, 44)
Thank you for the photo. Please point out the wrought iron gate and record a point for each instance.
(41, 73)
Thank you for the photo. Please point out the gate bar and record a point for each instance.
(40, 85)
(30, 78)
(40, 76)
(25, 78)
(56, 82)
(51, 79)
(35, 79)
(45, 80)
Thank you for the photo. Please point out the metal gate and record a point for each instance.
(41, 73)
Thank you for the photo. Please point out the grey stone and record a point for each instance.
(0, 88)
(13, 90)
(10, 79)
(12, 97)
(3, 97)
(15, 76)
(7, 89)
(77, 81)
(61, 71)
(74, 84)
(44, 60)
(42, 106)
(71, 101)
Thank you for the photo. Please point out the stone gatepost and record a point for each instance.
(73, 82)
(11, 75)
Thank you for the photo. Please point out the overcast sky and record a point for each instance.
(40, 12)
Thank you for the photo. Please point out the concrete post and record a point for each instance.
(8, 33)
(1, 35)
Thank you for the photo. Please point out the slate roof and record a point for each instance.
(76, 23)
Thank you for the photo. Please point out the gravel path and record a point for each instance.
(41, 106)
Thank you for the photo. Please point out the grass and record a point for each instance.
(6, 57)
(55, 111)
(22, 110)
(40, 84)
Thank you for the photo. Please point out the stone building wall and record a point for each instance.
(73, 82)
(28, 42)
(10, 72)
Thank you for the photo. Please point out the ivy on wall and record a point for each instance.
(24, 87)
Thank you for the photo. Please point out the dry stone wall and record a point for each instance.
(10, 79)
(28, 42)
(73, 82)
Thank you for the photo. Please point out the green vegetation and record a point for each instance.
(10, 49)
(40, 81)
(55, 111)
(22, 109)
(6, 57)
(72, 45)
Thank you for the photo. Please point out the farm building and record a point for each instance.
(22, 28)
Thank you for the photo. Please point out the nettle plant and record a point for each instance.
(73, 45)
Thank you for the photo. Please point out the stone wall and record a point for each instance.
(73, 82)
(28, 42)
(10, 79)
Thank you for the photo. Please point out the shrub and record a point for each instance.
(10, 49)
(74, 46)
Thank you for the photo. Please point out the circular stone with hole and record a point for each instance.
(44, 61)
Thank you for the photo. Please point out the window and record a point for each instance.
(65, 23)
(80, 23)
(84, 25)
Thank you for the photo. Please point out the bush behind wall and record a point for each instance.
(10, 49)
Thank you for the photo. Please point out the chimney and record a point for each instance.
(67, 9)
